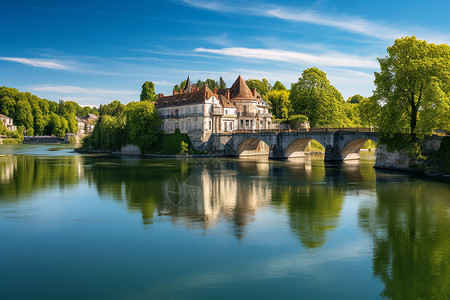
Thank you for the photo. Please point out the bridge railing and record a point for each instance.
(355, 129)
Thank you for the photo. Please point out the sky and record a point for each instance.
(94, 52)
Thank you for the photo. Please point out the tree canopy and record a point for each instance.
(414, 87)
(280, 103)
(40, 116)
(262, 86)
(148, 91)
(314, 97)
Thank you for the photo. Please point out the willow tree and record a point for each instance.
(414, 86)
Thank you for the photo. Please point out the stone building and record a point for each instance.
(200, 112)
(8, 122)
(86, 124)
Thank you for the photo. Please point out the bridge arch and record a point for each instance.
(351, 149)
(252, 147)
(297, 147)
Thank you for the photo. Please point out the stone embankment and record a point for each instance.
(43, 140)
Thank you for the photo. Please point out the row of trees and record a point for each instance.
(36, 116)
(136, 123)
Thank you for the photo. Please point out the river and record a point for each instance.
(97, 227)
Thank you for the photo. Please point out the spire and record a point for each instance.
(188, 83)
(239, 89)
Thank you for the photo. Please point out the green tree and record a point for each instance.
(355, 99)
(413, 82)
(262, 86)
(278, 86)
(8, 107)
(199, 84)
(314, 97)
(222, 83)
(280, 103)
(24, 115)
(114, 108)
(148, 91)
(142, 124)
(369, 111)
(211, 83)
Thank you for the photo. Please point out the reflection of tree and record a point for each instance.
(22, 176)
(313, 210)
(409, 226)
(139, 182)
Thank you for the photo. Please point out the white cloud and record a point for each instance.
(37, 62)
(353, 24)
(328, 59)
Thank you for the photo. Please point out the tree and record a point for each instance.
(278, 86)
(7, 107)
(369, 111)
(148, 91)
(262, 86)
(24, 114)
(222, 83)
(314, 97)
(414, 85)
(355, 99)
(211, 83)
(114, 108)
(280, 103)
(142, 124)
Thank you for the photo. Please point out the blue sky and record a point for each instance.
(94, 52)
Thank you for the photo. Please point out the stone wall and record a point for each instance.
(396, 160)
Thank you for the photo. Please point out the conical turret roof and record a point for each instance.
(188, 83)
(239, 89)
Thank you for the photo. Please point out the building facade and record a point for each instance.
(8, 122)
(86, 124)
(201, 112)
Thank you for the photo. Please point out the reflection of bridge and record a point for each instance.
(339, 143)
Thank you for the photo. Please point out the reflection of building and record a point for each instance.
(200, 112)
(8, 122)
(215, 194)
(8, 166)
(86, 124)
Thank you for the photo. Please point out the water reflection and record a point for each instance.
(409, 225)
(406, 218)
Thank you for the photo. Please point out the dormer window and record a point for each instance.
(176, 102)
(165, 103)
(184, 100)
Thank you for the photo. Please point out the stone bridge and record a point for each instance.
(339, 144)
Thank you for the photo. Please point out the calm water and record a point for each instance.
(92, 227)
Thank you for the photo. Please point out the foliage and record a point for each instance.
(278, 86)
(280, 103)
(222, 83)
(301, 118)
(184, 147)
(355, 99)
(211, 83)
(369, 111)
(31, 111)
(170, 143)
(262, 86)
(108, 134)
(115, 109)
(142, 124)
(3, 128)
(414, 84)
(177, 87)
(315, 97)
(148, 91)
(30, 131)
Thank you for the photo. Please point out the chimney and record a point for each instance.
(194, 88)
(254, 92)
(227, 94)
(181, 91)
(160, 95)
(215, 91)
(175, 92)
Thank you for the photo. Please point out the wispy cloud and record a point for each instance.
(348, 23)
(327, 59)
(38, 62)
(69, 89)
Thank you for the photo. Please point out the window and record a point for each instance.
(242, 123)
(165, 103)
(246, 123)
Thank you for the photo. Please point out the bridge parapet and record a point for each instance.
(339, 143)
